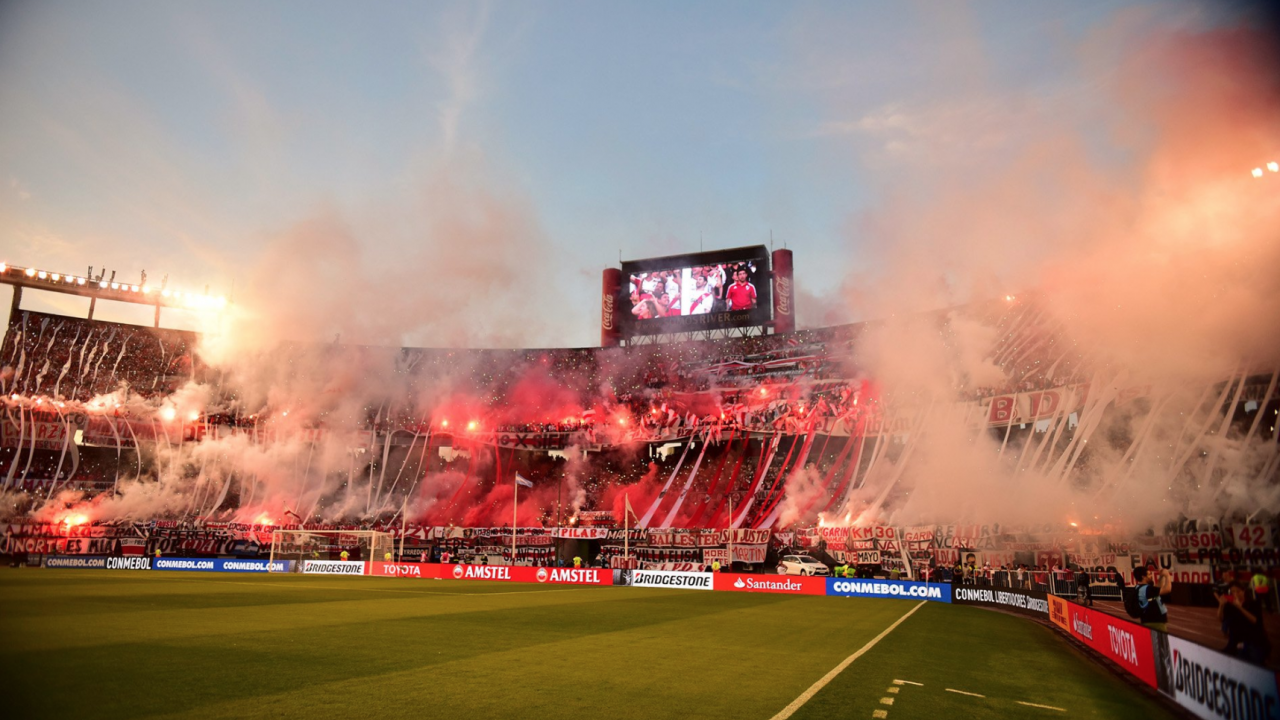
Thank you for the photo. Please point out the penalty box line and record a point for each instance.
(805, 696)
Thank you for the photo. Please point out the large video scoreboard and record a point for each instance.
(700, 291)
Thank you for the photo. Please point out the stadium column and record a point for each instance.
(784, 318)
(610, 333)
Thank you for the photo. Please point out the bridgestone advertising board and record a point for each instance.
(333, 567)
(1214, 686)
(669, 579)
(1035, 604)
(79, 562)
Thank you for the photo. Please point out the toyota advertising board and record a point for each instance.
(903, 589)
(419, 571)
(784, 584)
(1124, 643)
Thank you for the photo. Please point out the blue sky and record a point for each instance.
(184, 139)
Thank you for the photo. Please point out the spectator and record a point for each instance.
(1241, 618)
(1261, 589)
(1151, 597)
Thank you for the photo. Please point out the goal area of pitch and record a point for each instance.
(301, 545)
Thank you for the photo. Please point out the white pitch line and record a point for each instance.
(799, 702)
(907, 682)
(895, 689)
(301, 586)
(1046, 707)
(961, 692)
(886, 701)
(879, 713)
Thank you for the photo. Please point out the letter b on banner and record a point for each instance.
(1002, 408)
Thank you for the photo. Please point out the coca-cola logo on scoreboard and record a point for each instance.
(606, 312)
(784, 295)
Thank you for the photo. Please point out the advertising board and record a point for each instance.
(904, 589)
(134, 562)
(669, 579)
(81, 562)
(785, 584)
(1026, 602)
(1212, 685)
(333, 567)
(520, 573)
(222, 565)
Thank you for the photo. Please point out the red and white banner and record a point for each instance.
(48, 432)
(581, 533)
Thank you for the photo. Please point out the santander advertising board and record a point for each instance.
(786, 584)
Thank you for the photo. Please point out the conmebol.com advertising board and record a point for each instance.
(222, 565)
(903, 589)
(81, 562)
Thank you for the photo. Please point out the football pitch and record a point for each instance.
(108, 644)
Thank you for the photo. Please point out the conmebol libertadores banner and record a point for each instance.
(1026, 602)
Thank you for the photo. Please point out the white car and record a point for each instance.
(801, 565)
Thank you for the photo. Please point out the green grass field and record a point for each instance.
(104, 644)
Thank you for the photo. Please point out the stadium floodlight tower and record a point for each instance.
(699, 296)
(100, 287)
(303, 545)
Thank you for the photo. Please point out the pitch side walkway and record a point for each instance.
(1200, 624)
